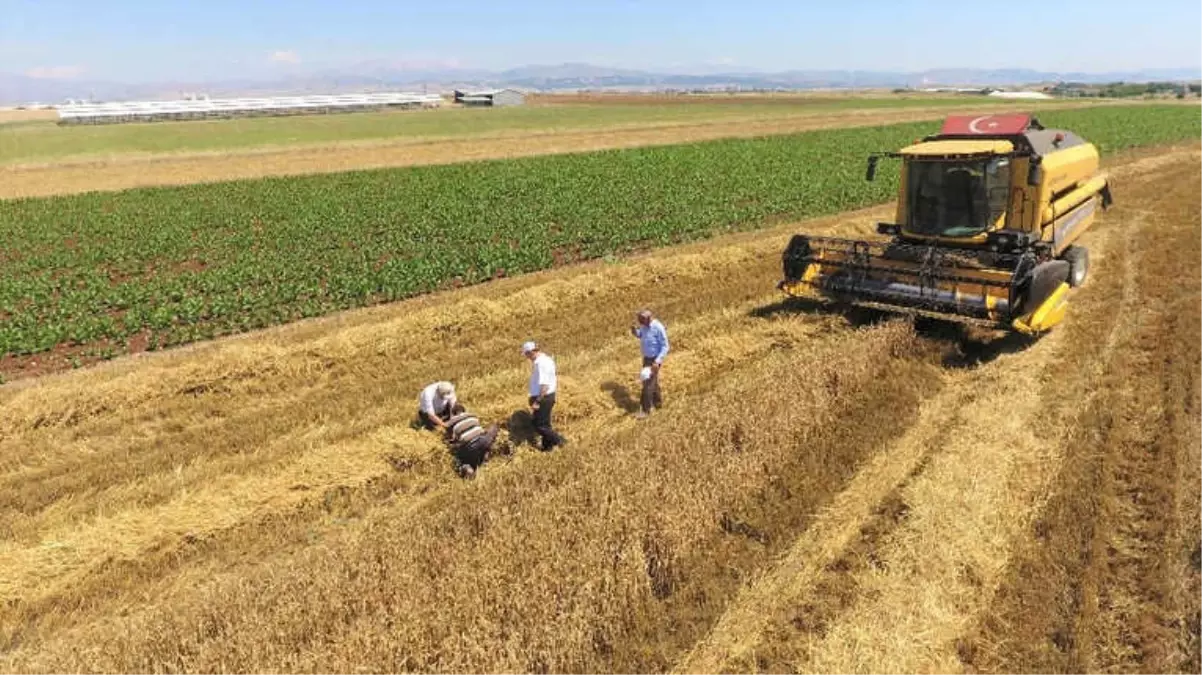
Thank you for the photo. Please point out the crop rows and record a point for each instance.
(173, 265)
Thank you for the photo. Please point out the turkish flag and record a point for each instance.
(985, 125)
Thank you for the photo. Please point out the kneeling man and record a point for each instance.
(470, 442)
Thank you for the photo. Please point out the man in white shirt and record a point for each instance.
(543, 387)
(436, 404)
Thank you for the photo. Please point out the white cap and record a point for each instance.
(445, 389)
(529, 346)
(645, 374)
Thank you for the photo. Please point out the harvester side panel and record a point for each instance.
(1064, 170)
(1069, 227)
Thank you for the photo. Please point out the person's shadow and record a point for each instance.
(621, 396)
(520, 427)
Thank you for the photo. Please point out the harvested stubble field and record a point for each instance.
(823, 492)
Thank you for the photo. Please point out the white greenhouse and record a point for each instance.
(205, 108)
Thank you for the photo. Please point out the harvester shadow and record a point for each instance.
(621, 396)
(968, 347)
(856, 316)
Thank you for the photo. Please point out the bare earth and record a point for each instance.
(128, 171)
(14, 115)
(823, 491)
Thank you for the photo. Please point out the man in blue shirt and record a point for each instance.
(654, 340)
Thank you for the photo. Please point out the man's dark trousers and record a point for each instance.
(651, 395)
(542, 422)
(473, 452)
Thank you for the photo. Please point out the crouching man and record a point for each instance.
(470, 442)
(436, 404)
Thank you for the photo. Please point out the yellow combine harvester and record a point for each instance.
(988, 211)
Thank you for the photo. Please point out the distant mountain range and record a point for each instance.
(22, 89)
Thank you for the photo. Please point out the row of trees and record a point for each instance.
(1127, 89)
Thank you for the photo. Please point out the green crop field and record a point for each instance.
(173, 265)
(43, 141)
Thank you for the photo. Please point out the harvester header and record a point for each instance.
(989, 212)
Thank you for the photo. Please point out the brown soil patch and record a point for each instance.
(13, 115)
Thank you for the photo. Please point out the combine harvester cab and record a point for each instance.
(988, 211)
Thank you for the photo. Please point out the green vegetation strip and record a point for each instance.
(173, 265)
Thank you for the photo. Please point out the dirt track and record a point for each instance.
(893, 500)
(128, 171)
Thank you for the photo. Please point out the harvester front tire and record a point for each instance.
(794, 257)
(1077, 258)
(1044, 280)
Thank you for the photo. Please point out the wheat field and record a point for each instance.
(824, 491)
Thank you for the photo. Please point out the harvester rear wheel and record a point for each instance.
(1077, 258)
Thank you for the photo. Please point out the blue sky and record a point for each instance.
(178, 40)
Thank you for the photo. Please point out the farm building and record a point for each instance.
(491, 97)
(205, 108)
